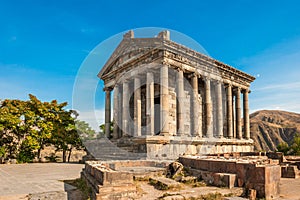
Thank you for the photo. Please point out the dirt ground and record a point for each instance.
(45, 180)
(289, 189)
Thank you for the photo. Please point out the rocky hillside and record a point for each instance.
(271, 127)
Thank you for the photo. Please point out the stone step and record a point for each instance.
(104, 149)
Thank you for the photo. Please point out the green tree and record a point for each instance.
(40, 117)
(102, 129)
(26, 127)
(12, 128)
(84, 130)
(65, 136)
(284, 148)
(295, 147)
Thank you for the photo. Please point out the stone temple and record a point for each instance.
(169, 100)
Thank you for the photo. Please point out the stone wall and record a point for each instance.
(169, 148)
(108, 181)
(255, 174)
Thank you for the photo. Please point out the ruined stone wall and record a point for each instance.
(264, 178)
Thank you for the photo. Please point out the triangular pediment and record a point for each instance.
(128, 50)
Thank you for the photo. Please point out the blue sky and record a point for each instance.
(44, 43)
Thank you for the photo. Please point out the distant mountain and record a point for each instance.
(271, 127)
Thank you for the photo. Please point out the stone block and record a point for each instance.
(163, 183)
(289, 172)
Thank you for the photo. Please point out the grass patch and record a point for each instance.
(80, 184)
(158, 185)
(168, 195)
(210, 196)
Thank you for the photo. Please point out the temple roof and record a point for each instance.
(131, 48)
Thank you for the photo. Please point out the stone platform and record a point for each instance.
(170, 147)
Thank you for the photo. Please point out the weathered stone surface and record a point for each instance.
(163, 183)
(256, 174)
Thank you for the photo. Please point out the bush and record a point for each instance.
(26, 154)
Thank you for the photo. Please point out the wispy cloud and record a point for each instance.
(277, 70)
(280, 87)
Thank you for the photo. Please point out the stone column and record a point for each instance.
(107, 111)
(238, 114)
(197, 126)
(125, 105)
(246, 114)
(219, 110)
(233, 116)
(180, 105)
(120, 111)
(229, 112)
(164, 100)
(150, 103)
(116, 112)
(137, 107)
(208, 109)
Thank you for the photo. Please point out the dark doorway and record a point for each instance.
(157, 115)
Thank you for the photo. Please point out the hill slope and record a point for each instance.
(271, 127)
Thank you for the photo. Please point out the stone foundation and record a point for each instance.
(169, 148)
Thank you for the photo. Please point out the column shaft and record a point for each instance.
(180, 105)
(219, 110)
(164, 100)
(196, 124)
(238, 114)
(229, 112)
(116, 112)
(120, 111)
(150, 103)
(137, 107)
(246, 115)
(107, 112)
(208, 109)
(125, 105)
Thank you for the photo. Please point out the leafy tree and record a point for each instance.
(284, 148)
(39, 117)
(12, 128)
(84, 130)
(26, 153)
(102, 128)
(26, 127)
(65, 136)
(293, 149)
(296, 145)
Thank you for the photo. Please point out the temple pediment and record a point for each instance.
(133, 52)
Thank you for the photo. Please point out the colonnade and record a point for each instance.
(230, 127)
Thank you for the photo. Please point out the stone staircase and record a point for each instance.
(104, 149)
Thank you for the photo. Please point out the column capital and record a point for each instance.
(206, 78)
(179, 69)
(228, 85)
(107, 89)
(165, 62)
(237, 89)
(246, 91)
(219, 81)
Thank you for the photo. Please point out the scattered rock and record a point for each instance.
(174, 169)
